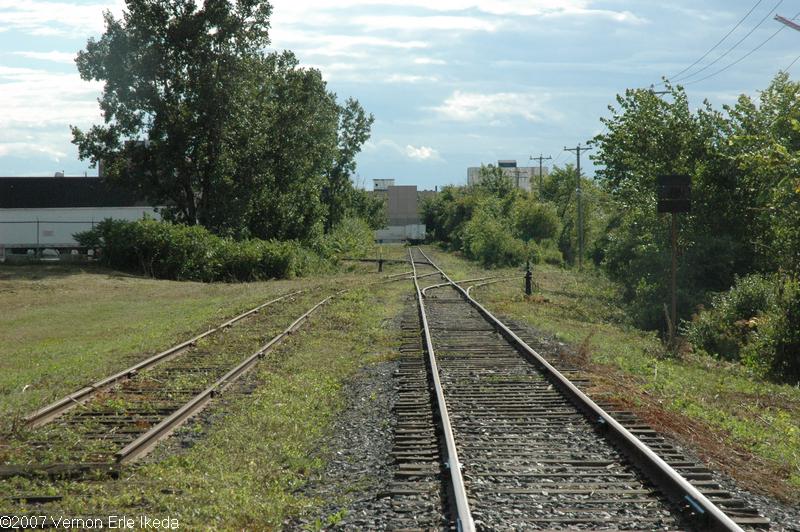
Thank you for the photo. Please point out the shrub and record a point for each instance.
(755, 322)
(549, 253)
(351, 237)
(535, 220)
(173, 251)
(488, 239)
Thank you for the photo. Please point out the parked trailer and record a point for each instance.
(401, 233)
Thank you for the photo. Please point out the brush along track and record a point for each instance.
(535, 452)
(123, 422)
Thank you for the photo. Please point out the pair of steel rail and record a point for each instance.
(146, 441)
(668, 480)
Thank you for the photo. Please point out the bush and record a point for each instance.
(535, 220)
(352, 237)
(756, 322)
(489, 240)
(172, 251)
(547, 251)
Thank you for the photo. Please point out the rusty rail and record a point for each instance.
(53, 410)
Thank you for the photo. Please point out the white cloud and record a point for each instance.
(409, 78)
(429, 61)
(55, 18)
(54, 56)
(336, 44)
(298, 11)
(469, 106)
(437, 23)
(423, 153)
(38, 107)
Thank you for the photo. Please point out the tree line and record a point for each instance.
(739, 263)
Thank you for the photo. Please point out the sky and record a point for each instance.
(451, 84)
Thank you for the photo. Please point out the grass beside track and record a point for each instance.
(244, 468)
(64, 327)
(742, 424)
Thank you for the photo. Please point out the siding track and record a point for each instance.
(100, 428)
(527, 450)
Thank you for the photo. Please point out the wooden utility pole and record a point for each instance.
(578, 149)
(674, 195)
(674, 284)
(540, 159)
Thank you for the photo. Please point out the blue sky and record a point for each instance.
(451, 83)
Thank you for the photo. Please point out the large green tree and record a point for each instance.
(200, 118)
(743, 162)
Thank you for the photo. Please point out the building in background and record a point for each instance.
(521, 176)
(402, 210)
(38, 213)
(382, 185)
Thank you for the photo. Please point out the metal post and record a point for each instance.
(674, 312)
(540, 158)
(37, 237)
(528, 277)
(580, 213)
(578, 149)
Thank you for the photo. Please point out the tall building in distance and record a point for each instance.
(402, 210)
(521, 176)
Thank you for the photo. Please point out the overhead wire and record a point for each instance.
(732, 48)
(721, 40)
(791, 64)
(745, 56)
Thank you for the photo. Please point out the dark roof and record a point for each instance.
(52, 192)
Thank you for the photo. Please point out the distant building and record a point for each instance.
(45, 212)
(382, 185)
(402, 210)
(522, 176)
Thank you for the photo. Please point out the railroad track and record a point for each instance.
(523, 448)
(121, 418)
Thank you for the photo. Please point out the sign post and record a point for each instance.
(674, 196)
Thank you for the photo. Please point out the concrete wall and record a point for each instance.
(56, 226)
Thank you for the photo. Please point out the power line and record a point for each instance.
(791, 64)
(721, 40)
(745, 56)
(732, 48)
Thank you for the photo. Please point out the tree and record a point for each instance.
(536, 220)
(745, 211)
(199, 118)
(354, 128)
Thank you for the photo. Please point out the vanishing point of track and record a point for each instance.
(522, 447)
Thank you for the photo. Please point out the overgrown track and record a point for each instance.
(528, 450)
(48, 413)
(123, 421)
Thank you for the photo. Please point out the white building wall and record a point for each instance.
(56, 226)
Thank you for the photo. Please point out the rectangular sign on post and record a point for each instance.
(674, 193)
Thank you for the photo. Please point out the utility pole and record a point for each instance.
(540, 159)
(578, 149)
(785, 21)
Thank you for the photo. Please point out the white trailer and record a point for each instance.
(54, 227)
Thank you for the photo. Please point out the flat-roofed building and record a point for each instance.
(45, 212)
(402, 210)
(521, 176)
